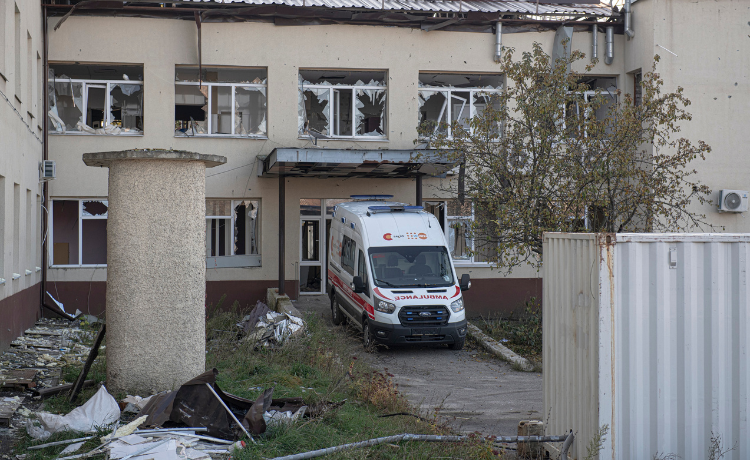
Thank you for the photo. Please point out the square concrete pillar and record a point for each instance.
(156, 267)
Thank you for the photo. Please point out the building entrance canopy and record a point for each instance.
(324, 163)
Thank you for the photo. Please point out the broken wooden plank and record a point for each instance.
(18, 379)
(89, 361)
(8, 407)
(47, 392)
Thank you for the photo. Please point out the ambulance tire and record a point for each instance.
(367, 340)
(458, 344)
(336, 316)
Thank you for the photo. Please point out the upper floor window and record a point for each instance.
(335, 104)
(579, 106)
(447, 98)
(225, 101)
(95, 99)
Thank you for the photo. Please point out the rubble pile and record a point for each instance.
(267, 328)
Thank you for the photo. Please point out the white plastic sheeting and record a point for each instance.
(99, 411)
(648, 334)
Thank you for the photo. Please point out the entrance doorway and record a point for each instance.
(315, 226)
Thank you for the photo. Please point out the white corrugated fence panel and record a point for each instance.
(673, 332)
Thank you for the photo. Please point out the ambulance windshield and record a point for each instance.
(411, 266)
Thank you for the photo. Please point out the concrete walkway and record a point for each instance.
(473, 390)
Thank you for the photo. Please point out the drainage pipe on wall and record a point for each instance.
(628, 20)
(498, 41)
(609, 55)
(594, 42)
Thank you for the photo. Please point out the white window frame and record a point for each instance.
(209, 99)
(330, 88)
(462, 262)
(448, 104)
(81, 217)
(107, 103)
(235, 260)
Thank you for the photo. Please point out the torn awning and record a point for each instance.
(324, 163)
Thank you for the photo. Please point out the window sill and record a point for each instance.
(79, 266)
(252, 260)
(77, 133)
(350, 139)
(221, 136)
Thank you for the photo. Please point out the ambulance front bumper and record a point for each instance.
(396, 334)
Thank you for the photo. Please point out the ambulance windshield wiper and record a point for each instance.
(385, 282)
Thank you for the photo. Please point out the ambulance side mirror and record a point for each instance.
(359, 285)
(465, 283)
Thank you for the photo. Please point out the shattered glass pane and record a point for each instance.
(65, 106)
(461, 108)
(97, 208)
(246, 227)
(221, 109)
(483, 100)
(316, 110)
(250, 111)
(126, 107)
(433, 110)
(342, 112)
(370, 112)
(343, 77)
(450, 80)
(459, 241)
(190, 110)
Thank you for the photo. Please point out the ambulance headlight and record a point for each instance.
(457, 305)
(385, 307)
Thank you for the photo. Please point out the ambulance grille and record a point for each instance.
(424, 315)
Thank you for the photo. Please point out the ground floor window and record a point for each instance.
(232, 229)
(79, 232)
(466, 243)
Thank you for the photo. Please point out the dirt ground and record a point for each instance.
(472, 390)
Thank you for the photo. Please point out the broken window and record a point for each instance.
(464, 247)
(447, 98)
(95, 99)
(79, 232)
(226, 101)
(342, 104)
(607, 87)
(232, 227)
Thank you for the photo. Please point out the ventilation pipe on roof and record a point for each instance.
(628, 20)
(498, 41)
(594, 42)
(609, 55)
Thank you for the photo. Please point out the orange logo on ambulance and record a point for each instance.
(388, 237)
(423, 236)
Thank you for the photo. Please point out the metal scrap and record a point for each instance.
(266, 328)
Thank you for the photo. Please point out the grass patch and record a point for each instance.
(521, 333)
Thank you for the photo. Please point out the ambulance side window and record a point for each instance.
(348, 252)
(362, 273)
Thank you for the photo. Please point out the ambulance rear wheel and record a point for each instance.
(458, 344)
(336, 316)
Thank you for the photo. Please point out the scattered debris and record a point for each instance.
(78, 385)
(267, 328)
(8, 406)
(99, 411)
(47, 392)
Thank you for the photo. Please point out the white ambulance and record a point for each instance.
(391, 275)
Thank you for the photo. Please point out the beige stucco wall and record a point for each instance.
(712, 64)
(20, 150)
(161, 44)
(155, 274)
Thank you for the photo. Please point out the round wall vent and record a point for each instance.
(732, 201)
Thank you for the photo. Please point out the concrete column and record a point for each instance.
(156, 267)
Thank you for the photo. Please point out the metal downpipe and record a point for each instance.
(628, 20)
(594, 42)
(498, 41)
(609, 55)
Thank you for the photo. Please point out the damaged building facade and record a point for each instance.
(314, 101)
(21, 152)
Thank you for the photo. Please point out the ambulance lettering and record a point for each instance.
(419, 297)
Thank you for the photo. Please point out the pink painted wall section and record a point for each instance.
(18, 313)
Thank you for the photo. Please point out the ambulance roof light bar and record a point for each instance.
(370, 197)
(377, 209)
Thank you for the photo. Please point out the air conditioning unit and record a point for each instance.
(732, 200)
(47, 170)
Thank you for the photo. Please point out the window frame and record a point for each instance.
(81, 218)
(353, 88)
(449, 105)
(209, 98)
(233, 260)
(107, 104)
(469, 219)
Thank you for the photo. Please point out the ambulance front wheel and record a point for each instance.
(458, 344)
(367, 340)
(336, 316)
